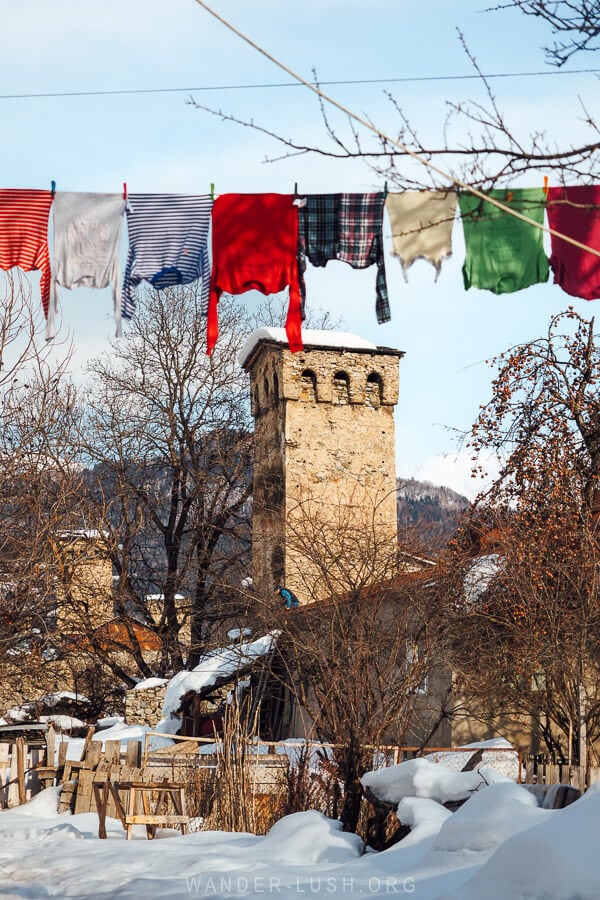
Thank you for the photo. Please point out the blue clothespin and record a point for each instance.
(53, 187)
(385, 190)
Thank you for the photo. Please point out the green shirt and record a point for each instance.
(503, 253)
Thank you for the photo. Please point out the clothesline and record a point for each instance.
(241, 242)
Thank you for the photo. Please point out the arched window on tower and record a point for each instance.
(256, 401)
(275, 386)
(266, 388)
(341, 388)
(374, 392)
(308, 385)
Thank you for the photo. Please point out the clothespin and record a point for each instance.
(125, 191)
(385, 190)
(545, 185)
(298, 201)
(53, 187)
(509, 196)
(212, 191)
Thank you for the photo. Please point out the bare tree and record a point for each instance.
(478, 147)
(169, 430)
(576, 21)
(357, 664)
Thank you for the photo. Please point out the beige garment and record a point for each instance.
(421, 223)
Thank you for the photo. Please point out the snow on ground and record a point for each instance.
(422, 778)
(497, 752)
(498, 846)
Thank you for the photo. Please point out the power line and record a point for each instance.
(288, 84)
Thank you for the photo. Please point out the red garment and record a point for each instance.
(255, 247)
(575, 212)
(24, 234)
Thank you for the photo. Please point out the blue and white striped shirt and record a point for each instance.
(168, 243)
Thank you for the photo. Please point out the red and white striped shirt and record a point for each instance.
(24, 234)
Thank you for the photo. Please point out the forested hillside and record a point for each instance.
(431, 512)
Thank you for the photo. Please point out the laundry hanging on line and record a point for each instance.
(504, 253)
(421, 223)
(255, 247)
(86, 246)
(24, 217)
(168, 242)
(348, 227)
(575, 211)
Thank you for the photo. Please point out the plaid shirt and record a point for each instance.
(347, 227)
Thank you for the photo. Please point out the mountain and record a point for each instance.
(428, 511)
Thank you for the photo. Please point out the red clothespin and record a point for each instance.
(545, 185)
(125, 191)
(509, 196)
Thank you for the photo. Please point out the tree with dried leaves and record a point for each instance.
(527, 635)
(360, 666)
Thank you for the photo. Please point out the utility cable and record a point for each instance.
(455, 182)
(117, 92)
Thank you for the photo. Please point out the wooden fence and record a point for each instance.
(32, 762)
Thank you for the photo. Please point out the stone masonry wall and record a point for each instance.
(144, 706)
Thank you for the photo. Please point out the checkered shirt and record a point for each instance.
(347, 227)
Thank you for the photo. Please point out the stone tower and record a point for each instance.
(324, 452)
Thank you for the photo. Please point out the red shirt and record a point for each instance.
(255, 247)
(575, 212)
(24, 234)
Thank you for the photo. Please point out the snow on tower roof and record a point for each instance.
(310, 338)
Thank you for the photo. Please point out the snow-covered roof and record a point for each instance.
(213, 668)
(310, 338)
(151, 682)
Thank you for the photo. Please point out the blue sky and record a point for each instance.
(158, 142)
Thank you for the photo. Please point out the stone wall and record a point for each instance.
(143, 706)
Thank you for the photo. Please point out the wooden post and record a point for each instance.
(4, 754)
(112, 751)
(50, 745)
(582, 728)
(88, 739)
(20, 754)
(133, 753)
